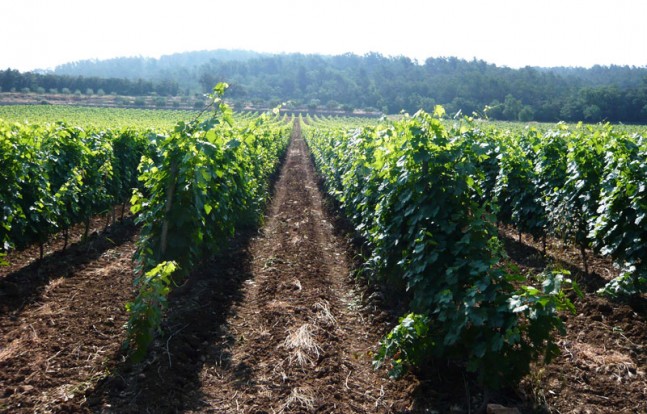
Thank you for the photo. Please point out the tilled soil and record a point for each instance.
(61, 319)
(603, 363)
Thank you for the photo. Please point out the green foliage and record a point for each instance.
(203, 179)
(517, 191)
(413, 190)
(147, 310)
(621, 227)
(408, 344)
(585, 186)
(100, 119)
(423, 192)
(56, 176)
(504, 357)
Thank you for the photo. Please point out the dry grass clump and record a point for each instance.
(324, 314)
(303, 347)
(601, 360)
(300, 398)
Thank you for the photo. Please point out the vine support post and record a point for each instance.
(544, 243)
(86, 231)
(66, 236)
(585, 260)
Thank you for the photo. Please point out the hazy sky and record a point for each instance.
(45, 33)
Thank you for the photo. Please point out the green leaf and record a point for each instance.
(220, 88)
(233, 144)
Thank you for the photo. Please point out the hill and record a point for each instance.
(376, 82)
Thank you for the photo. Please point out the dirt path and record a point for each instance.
(270, 325)
(301, 344)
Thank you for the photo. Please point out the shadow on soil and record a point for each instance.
(24, 286)
(531, 257)
(194, 335)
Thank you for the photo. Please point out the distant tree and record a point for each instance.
(314, 104)
(332, 104)
(274, 102)
(494, 110)
(511, 108)
(89, 92)
(526, 114)
(592, 113)
(571, 110)
(160, 102)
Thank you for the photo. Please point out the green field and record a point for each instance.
(94, 117)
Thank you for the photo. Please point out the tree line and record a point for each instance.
(12, 80)
(377, 83)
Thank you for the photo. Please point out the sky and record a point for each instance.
(40, 34)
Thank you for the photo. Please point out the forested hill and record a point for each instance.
(392, 84)
(173, 66)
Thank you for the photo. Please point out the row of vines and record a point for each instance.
(55, 176)
(426, 196)
(202, 181)
(189, 188)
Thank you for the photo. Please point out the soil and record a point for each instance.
(603, 363)
(61, 317)
(276, 323)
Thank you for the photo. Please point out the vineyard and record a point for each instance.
(427, 196)
(190, 262)
(586, 186)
